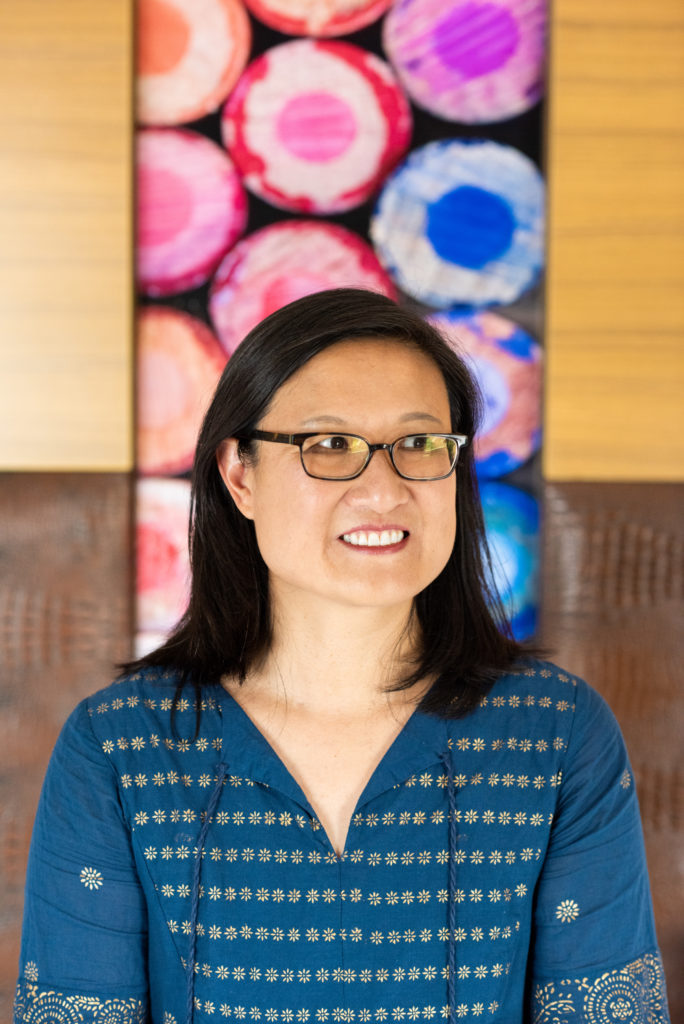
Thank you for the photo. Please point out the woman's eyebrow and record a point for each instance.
(407, 417)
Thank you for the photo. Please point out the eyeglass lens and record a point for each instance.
(419, 456)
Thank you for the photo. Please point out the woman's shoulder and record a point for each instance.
(142, 701)
(544, 695)
(146, 688)
(541, 681)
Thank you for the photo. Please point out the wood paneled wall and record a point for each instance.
(66, 242)
(615, 293)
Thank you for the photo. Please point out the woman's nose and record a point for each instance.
(379, 485)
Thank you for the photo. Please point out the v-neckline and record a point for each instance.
(248, 753)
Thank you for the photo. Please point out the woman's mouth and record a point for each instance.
(374, 538)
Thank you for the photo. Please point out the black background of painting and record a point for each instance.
(523, 132)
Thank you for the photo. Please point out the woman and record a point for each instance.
(339, 791)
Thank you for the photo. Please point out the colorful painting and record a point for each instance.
(289, 146)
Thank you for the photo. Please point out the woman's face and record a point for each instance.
(382, 390)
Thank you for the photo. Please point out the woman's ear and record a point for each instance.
(236, 475)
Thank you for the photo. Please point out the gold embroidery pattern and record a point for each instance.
(33, 1005)
(633, 994)
(280, 915)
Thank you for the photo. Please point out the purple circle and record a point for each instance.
(475, 39)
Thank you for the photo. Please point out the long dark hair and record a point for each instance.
(466, 641)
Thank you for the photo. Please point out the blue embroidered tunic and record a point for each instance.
(493, 872)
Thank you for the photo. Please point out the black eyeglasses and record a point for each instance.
(345, 456)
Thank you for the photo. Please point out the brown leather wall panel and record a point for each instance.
(612, 611)
(65, 616)
(612, 608)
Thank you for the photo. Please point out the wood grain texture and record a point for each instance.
(65, 620)
(612, 608)
(66, 240)
(615, 291)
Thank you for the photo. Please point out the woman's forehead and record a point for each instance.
(365, 374)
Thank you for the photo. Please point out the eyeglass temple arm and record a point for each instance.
(271, 435)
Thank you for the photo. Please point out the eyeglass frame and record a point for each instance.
(298, 439)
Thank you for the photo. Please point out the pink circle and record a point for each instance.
(318, 17)
(475, 39)
(191, 208)
(283, 262)
(316, 126)
(162, 389)
(179, 362)
(157, 555)
(162, 563)
(165, 205)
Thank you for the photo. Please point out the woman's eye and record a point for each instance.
(417, 442)
(333, 442)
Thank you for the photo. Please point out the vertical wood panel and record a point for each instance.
(65, 244)
(615, 295)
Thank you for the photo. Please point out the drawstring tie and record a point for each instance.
(451, 912)
(222, 769)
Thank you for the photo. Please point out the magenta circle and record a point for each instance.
(476, 38)
(316, 126)
(176, 201)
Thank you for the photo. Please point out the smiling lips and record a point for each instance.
(373, 538)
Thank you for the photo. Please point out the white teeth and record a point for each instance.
(373, 540)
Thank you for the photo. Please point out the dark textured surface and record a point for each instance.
(65, 616)
(611, 612)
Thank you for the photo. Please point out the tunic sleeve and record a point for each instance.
(594, 956)
(83, 955)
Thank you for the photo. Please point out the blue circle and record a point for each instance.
(470, 226)
(512, 528)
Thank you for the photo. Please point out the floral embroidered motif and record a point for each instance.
(31, 971)
(91, 878)
(42, 1006)
(567, 910)
(633, 994)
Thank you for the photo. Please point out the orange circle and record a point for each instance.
(190, 55)
(163, 35)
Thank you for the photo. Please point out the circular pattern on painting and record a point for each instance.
(512, 528)
(472, 61)
(461, 222)
(179, 364)
(284, 262)
(316, 126)
(318, 17)
(507, 364)
(162, 561)
(190, 54)
(191, 209)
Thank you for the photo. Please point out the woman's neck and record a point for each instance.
(344, 658)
